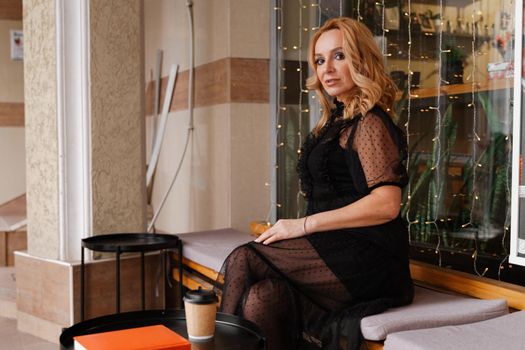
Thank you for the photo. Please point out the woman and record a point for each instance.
(312, 279)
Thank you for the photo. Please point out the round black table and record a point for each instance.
(130, 243)
(231, 332)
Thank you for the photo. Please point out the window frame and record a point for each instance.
(517, 189)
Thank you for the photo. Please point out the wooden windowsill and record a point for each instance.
(468, 284)
(458, 89)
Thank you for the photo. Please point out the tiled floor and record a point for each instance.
(12, 339)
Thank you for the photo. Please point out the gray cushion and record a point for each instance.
(505, 332)
(211, 248)
(431, 309)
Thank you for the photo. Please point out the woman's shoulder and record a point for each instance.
(378, 112)
(375, 117)
(378, 121)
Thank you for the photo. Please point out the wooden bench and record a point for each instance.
(463, 284)
(203, 255)
(206, 275)
(505, 332)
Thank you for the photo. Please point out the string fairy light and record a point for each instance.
(475, 140)
(280, 109)
(436, 167)
(506, 225)
(300, 103)
(475, 136)
(407, 124)
(313, 102)
(508, 170)
(384, 30)
(319, 14)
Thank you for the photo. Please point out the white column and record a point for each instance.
(73, 124)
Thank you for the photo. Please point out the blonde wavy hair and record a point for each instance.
(365, 61)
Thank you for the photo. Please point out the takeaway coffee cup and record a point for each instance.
(201, 308)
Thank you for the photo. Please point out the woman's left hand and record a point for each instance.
(283, 229)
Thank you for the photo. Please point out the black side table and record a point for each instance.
(130, 243)
(231, 332)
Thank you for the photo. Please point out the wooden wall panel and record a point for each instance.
(3, 248)
(249, 80)
(11, 10)
(211, 83)
(11, 114)
(43, 288)
(100, 285)
(16, 240)
(223, 81)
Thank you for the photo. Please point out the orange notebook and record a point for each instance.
(156, 337)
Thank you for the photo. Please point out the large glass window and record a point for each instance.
(517, 247)
(453, 63)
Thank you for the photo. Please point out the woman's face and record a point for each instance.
(332, 67)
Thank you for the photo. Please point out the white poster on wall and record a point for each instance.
(17, 45)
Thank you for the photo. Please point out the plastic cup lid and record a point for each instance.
(201, 296)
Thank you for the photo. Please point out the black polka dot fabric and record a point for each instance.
(267, 285)
(378, 153)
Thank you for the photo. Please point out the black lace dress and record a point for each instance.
(312, 291)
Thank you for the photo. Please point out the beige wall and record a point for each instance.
(222, 180)
(166, 25)
(11, 71)
(12, 152)
(223, 28)
(12, 163)
(117, 109)
(250, 163)
(221, 183)
(41, 128)
(249, 31)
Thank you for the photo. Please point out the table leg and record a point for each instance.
(82, 283)
(117, 268)
(142, 281)
(180, 275)
(164, 261)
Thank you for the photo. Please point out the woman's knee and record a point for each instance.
(240, 255)
(266, 296)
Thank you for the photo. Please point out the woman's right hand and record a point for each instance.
(283, 229)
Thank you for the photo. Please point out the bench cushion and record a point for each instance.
(211, 248)
(505, 332)
(431, 309)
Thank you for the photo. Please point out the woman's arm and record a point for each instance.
(380, 206)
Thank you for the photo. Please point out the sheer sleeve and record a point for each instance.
(381, 149)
